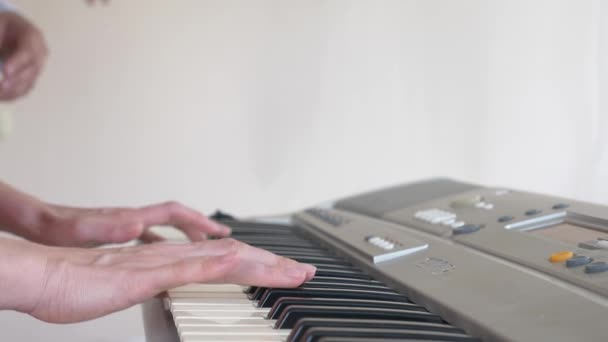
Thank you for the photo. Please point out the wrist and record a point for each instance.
(22, 273)
(22, 214)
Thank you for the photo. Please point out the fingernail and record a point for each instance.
(295, 272)
(226, 229)
(310, 271)
(309, 268)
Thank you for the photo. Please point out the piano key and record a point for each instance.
(307, 323)
(280, 305)
(179, 297)
(327, 282)
(293, 313)
(258, 227)
(345, 280)
(207, 313)
(301, 252)
(319, 259)
(273, 248)
(254, 293)
(257, 295)
(272, 295)
(237, 335)
(364, 334)
(212, 315)
(197, 287)
(285, 243)
(322, 272)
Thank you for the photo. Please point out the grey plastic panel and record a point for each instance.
(377, 203)
(494, 299)
(509, 240)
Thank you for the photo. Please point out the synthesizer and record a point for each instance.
(435, 260)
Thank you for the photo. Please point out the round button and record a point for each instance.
(561, 256)
(560, 206)
(578, 260)
(596, 267)
(532, 212)
(505, 218)
(466, 229)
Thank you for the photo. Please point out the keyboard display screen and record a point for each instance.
(569, 233)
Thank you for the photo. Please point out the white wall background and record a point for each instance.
(269, 106)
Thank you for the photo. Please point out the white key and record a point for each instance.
(207, 294)
(204, 312)
(209, 288)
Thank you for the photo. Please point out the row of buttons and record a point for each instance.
(579, 260)
(438, 216)
(383, 243)
(446, 218)
(328, 216)
(484, 205)
(532, 212)
(476, 201)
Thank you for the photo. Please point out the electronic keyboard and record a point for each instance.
(436, 260)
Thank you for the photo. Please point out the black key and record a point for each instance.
(259, 226)
(280, 305)
(357, 286)
(247, 231)
(301, 252)
(321, 272)
(379, 334)
(320, 259)
(252, 289)
(304, 324)
(293, 313)
(259, 292)
(274, 238)
(329, 267)
(279, 243)
(270, 247)
(272, 295)
(348, 280)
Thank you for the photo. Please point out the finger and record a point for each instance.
(258, 274)
(21, 58)
(191, 222)
(20, 85)
(224, 246)
(30, 49)
(228, 245)
(244, 251)
(186, 271)
(247, 252)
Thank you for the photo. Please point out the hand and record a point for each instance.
(66, 226)
(24, 51)
(65, 285)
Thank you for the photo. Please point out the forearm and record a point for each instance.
(20, 213)
(22, 272)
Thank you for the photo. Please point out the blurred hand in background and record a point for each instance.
(24, 53)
